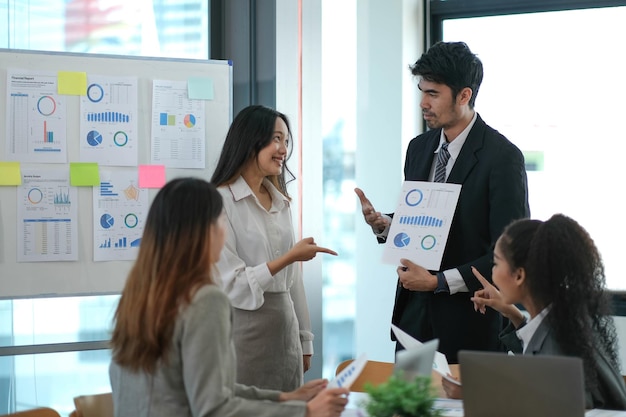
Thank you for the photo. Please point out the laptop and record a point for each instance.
(417, 360)
(497, 385)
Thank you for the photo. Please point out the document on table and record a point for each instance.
(440, 364)
(421, 223)
(349, 374)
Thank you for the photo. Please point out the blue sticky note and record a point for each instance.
(200, 88)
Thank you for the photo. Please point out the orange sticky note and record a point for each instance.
(10, 173)
(151, 176)
(72, 83)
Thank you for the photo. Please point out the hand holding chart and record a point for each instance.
(349, 374)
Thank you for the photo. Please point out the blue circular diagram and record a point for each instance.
(428, 242)
(35, 196)
(46, 105)
(106, 221)
(94, 138)
(131, 220)
(120, 138)
(401, 240)
(414, 197)
(95, 93)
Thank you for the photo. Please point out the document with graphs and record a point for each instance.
(421, 223)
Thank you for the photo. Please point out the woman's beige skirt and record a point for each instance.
(267, 342)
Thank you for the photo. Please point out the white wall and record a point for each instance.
(388, 41)
(389, 37)
(306, 161)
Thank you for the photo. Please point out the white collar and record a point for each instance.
(240, 190)
(455, 146)
(526, 332)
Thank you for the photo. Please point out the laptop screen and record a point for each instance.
(416, 360)
(497, 384)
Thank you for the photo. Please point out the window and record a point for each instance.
(552, 87)
(162, 28)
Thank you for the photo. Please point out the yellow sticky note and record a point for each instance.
(10, 173)
(72, 83)
(84, 174)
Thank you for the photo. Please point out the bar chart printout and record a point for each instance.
(421, 223)
(108, 123)
(47, 217)
(120, 209)
(35, 118)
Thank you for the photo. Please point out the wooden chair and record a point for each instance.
(98, 405)
(36, 412)
(374, 372)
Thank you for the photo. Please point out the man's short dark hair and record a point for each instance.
(452, 64)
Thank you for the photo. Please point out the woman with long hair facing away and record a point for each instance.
(259, 267)
(555, 271)
(172, 346)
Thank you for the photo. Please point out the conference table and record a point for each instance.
(447, 406)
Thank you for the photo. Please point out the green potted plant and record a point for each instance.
(399, 397)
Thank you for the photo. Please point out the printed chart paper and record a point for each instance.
(47, 228)
(120, 209)
(108, 121)
(440, 363)
(349, 374)
(178, 126)
(36, 118)
(421, 223)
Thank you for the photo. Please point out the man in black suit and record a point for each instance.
(436, 304)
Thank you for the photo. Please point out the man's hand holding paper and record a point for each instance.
(415, 278)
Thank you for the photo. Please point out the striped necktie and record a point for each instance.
(442, 160)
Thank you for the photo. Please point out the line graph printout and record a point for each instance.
(421, 223)
(108, 123)
(120, 208)
(36, 118)
(47, 217)
(178, 126)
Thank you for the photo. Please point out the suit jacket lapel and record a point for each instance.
(467, 158)
(536, 342)
(422, 161)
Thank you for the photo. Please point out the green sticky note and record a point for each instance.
(72, 83)
(10, 173)
(200, 88)
(84, 174)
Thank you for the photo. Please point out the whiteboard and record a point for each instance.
(86, 277)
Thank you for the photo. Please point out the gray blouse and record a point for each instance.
(198, 379)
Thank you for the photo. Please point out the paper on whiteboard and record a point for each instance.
(346, 377)
(440, 364)
(421, 223)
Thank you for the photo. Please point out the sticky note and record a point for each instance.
(10, 173)
(200, 88)
(151, 176)
(72, 83)
(84, 174)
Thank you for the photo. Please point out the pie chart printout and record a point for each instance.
(401, 240)
(94, 138)
(106, 221)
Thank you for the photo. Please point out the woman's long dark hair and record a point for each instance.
(564, 269)
(173, 262)
(250, 132)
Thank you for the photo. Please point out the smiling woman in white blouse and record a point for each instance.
(259, 267)
(172, 346)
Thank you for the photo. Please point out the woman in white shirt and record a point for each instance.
(259, 267)
(172, 349)
(555, 271)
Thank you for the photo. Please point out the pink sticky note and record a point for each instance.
(151, 176)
